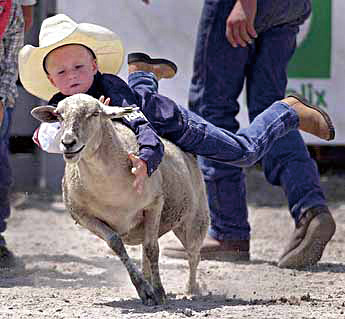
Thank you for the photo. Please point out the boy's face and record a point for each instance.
(71, 69)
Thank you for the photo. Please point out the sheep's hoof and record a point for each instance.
(150, 296)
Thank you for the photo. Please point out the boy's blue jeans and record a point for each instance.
(193, 134)
(5, 172)
(219, 75)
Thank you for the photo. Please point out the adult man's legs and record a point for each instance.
(288, 164)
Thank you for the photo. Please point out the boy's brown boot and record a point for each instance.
(162, 68)
(312, 119)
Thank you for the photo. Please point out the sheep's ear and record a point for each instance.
(117, 111)
(45, 113)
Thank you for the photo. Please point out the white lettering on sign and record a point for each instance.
(309, 92)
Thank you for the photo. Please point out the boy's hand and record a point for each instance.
(139, 168)
(140, 171)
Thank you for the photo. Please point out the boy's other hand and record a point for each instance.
(104, 100)
(139, 169)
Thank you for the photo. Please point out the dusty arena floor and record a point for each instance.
(65, 272)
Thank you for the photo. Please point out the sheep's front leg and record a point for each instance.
(144, 289)
(150, 258)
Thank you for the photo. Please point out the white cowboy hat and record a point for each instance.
(60, 30)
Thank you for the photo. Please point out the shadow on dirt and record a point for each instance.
(327, 267)
(40, 201)
(62, 271)
(193, 305)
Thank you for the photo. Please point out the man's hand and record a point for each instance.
(140, 171)
(2, 112)
(240, 23)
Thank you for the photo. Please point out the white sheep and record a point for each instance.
(98, 192)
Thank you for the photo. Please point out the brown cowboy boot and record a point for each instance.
(212, 249)
(312, 119)
(311, 235)
(162, 68)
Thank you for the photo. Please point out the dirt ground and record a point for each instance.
(66, 272)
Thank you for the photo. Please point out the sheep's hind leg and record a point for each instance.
(150, 255)
(193, 255)
(145, 291)
(191, 234)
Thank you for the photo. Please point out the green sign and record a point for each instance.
(312, 58)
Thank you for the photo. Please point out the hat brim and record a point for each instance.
(107, 47)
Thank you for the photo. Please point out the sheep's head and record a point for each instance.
(80, 116)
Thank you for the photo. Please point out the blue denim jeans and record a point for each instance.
(195, 135)
(219, 75)
(5, 172)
